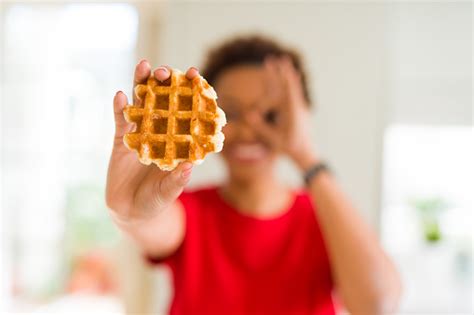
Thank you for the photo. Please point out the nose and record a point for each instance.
(247, 132)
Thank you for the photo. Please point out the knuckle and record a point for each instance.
(110, 201)
(160, 192)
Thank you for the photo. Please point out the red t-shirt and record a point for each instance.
(230, 263)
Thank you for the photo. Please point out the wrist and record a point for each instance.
(306, 160)
(314, 172)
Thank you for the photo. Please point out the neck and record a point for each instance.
(260, 197)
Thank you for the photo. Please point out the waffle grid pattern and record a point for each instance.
(175, 120)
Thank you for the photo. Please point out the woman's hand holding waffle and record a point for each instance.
(134, 190)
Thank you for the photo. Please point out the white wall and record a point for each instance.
(430, 63)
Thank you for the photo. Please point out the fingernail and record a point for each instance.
(186, 165)
(186, 173)
(143, 60)
(186, 169)
(194, 68)
(164, 71)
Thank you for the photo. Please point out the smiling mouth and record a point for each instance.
(251, 152)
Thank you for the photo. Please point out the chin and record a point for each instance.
(248, 173)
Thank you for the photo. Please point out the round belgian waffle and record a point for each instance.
(176, 120)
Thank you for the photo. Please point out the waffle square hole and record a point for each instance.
(182, 150)
(185, 102)
(207, 127)
(158, 150)
(210, 106)
(137, 120)
(183, 126)
(162, 101)
(160, 126)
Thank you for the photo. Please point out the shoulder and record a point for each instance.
(306, 207)
(303, 199)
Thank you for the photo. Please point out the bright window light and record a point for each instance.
(427, 214)
(62, 66)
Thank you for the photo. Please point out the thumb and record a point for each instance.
(121, 125)
(172, 184)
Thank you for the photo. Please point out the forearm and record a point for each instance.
(365, 277)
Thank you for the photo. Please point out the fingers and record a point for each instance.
(265, 131)
(273, 79)
(192, 73)
(142, 72)
(172, 184)
(121, 125)
(162, 73)
(281, 70)
(292, 80)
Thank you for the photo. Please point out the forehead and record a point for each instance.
(244, 83)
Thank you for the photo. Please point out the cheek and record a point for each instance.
(230, 132)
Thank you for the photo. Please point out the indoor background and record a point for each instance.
(392, 84)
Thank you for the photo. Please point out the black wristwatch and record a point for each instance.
(313, 171)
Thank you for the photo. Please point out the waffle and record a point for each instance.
(175, 120)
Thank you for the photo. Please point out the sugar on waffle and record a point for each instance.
(176, 120)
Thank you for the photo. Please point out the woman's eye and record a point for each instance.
(271, 116)
(231, 115)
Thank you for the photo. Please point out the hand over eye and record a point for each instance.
(282, 120)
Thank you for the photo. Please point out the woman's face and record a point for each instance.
(241, 89)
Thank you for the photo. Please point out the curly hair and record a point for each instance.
(249, 50)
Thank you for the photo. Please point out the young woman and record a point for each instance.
(252, 245)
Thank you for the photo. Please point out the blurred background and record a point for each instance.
(393, 88)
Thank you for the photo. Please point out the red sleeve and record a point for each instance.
(189, 201)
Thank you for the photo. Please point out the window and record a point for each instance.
(57, 128)
(427, 214)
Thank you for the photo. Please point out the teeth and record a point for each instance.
(249, 151)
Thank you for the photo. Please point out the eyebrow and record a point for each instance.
(232, 99)
(227, 96)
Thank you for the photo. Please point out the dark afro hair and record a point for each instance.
(249, 50)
